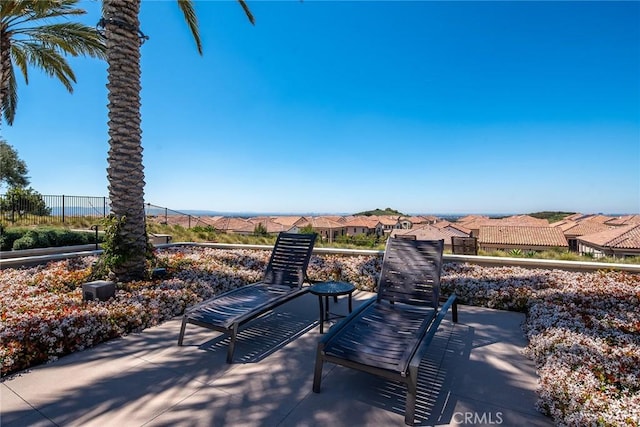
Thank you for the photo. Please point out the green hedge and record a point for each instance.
(29, 238)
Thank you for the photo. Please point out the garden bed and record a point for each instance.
(582, 327)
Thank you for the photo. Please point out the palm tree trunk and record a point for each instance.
(125, 170)
(5, 65)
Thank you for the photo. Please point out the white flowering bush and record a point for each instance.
(583, 328)
(584, 335)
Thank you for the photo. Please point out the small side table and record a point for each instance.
(330, 289)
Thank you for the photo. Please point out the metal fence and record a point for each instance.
(46, 209)
(36, 209)
(168, 216)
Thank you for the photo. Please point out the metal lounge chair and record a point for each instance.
(282, 281)
(388, 336)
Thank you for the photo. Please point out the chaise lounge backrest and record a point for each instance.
(411, 272)
(289, 259)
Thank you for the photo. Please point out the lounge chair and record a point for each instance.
(388, 336)
(282, 281)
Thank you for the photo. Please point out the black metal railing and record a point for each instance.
(47, 209)
(37, 209)
(171, 217)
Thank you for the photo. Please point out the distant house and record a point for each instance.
(624, 220)
(618, 242)
(523, 237)
(327, 229)
(363, 225)
(597, 218)
(234, 225)
(572, 230)
(271, 226)
(516, 220)
(454, 226)
(430, 232)
(389, 222)
(290, 220)
(336, 218)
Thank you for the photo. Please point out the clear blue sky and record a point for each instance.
(424, 107)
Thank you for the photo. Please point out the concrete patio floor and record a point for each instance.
(473, 374)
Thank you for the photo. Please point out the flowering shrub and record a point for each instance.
(584, 335)
(582, 327)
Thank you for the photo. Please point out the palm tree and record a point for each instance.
(26, 39)
(125, 171)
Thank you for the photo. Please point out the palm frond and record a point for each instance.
(186, 6)
(71, 37)
(17, 13)
(50, 61)
(10, 103)
(20, 61)
(247, 12)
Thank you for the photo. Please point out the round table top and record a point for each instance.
(332, 288)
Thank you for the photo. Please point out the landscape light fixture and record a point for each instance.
(102, 23)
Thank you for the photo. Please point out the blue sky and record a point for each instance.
(424, 107)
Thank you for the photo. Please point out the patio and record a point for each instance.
(474, 374)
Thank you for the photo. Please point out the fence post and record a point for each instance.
(166, 219)
(13, 208)
(104, 207)
(95, 227)
(63, 208)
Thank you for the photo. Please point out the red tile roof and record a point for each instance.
(597, 218)
(572, 228)
(270, 225)
(232, 224)
(522, 235)
(321, 222)
(429, 232)
(624, 237)
(362, 221)
(624, 220)
(289, 220)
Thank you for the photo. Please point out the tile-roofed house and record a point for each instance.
(597, 218)
(523, 237)
(516, 220)
(290, 220)
(574, 229)
(575, 217)
(234, 225)
(471, 218)
(617, 242)
(453, 225)
(336, 218)
(389, 222)
(624, 220)
(327, 229)
(418, 220)
(563, 222)
(430, 232)
(363, 225)
(271, 226)
(523, 220)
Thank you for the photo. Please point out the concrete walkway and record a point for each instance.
(474, 374)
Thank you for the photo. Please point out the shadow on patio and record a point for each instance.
(473, 367)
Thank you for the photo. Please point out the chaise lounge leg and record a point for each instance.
(232, 344)
(454, 311)
(182, 329)
(317, 373)
(412, 391)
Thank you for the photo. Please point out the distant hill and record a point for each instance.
(386, 211)
(551, 216)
